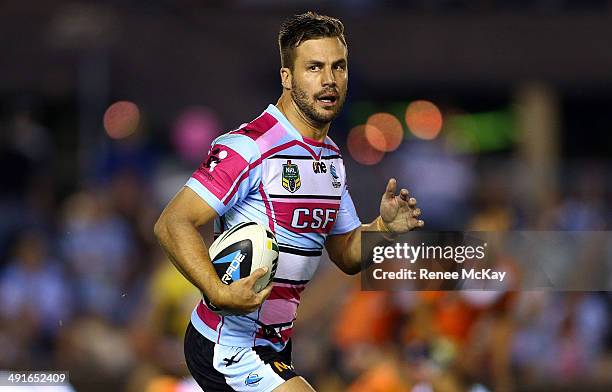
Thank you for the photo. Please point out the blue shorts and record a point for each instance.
(218, 368)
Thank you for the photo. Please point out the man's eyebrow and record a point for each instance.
(314, 62)
(319, 62)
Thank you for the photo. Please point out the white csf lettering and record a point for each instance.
(317, 213)
(295, 221)
(317, 218)
(330, 217)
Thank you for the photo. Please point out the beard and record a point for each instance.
(307, 105)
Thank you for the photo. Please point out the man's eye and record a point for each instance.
(314, 68)
(340, 67)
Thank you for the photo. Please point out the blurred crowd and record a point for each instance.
(84, 287)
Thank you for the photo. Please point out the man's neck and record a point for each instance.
(295, 116)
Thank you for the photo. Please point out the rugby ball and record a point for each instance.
(239, 251)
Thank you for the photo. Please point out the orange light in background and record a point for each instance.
(162, 384)
(121, 119)
(384, 132)
(424, 119)
(360, 149)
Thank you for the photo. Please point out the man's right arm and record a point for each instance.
(177, 232)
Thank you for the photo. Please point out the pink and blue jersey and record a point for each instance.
(267, 172)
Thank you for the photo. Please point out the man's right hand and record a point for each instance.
(239, 297)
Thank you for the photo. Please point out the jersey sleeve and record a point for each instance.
(347, 219)
(228, 174)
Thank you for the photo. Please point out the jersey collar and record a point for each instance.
(315, 148)
(280, 117)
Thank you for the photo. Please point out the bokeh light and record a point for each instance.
(360, 149)
(121, 119)
(193, 132)
(384, 132)
(424, 119)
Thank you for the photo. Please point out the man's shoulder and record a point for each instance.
(244, 139)
(257, 127)
(236, 143)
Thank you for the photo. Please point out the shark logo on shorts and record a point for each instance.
(252, 380)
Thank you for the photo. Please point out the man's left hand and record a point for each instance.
(398, 213)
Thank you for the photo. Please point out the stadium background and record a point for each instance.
(503, 113)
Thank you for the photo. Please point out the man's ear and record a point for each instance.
(285, 74)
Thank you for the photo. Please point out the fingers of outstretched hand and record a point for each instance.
(412, 202)
(391, 188)
(416, 223)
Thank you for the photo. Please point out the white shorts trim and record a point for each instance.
(244, 370)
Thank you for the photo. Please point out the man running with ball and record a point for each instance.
(281, 170)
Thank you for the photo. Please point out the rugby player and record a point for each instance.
(281, 170)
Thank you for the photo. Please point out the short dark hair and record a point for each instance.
(304, 27)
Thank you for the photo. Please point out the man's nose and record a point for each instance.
(328, 78)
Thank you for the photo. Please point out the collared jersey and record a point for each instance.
(266, 172)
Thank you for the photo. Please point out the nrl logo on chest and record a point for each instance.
(291, 177)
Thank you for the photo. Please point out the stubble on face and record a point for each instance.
(308, 104)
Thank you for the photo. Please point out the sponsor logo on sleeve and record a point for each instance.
(215, 156)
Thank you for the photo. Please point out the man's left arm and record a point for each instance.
(398, 214)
